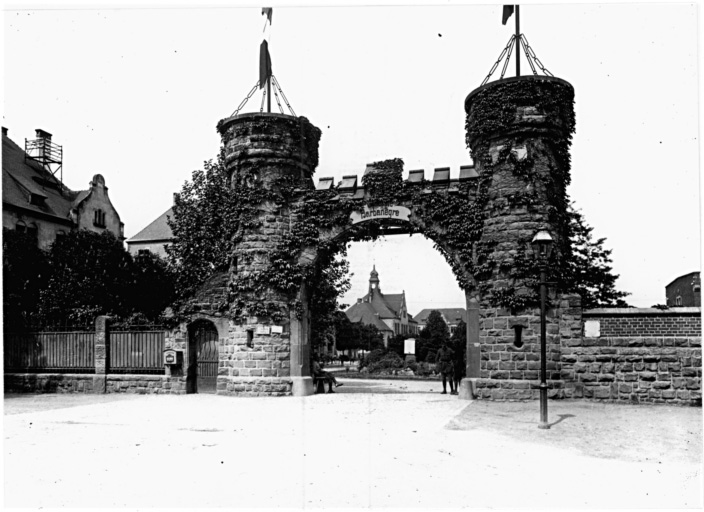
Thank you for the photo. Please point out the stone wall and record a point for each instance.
(254, 364)
(84, 383)
(512, 372)
(636, 355)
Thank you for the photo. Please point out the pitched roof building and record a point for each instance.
(35, 201)
(452, 316)
(155, 237)
(387, 312)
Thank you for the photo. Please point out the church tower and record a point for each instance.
(373, 282)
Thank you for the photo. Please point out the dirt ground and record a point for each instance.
(635, 433)
(372, 444)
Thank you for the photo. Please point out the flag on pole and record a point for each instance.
(264, 64)
(508, 11)
(269, 11)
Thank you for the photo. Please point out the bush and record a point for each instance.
(387, 363)
(430, 358)
(372, 357)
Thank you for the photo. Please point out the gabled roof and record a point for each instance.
(380, 304)
(450, 314)
(21, 178)
(159, 229)
(366, 313)
(395, 301)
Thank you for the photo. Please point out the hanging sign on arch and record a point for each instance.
(381, 212)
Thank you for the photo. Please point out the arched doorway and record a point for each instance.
(202, 357)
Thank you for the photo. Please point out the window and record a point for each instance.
(99, 218)
(60, 233)
(678, 301)
(36, 199)
(21, 227)
(33, 230)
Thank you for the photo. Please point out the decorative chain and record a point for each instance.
(244, 101)
(276, 84)
(496, 64)
(508, 56)
(531, 54)
(276, 95)
(261, 108)
(533, 60)
(528, 58)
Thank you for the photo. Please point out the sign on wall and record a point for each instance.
(380, 212)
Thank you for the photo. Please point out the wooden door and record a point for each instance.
(204, 352)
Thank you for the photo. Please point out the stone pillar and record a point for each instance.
(269, 157)
(101, 353)
(468, 384)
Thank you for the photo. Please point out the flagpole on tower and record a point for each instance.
(518, 39)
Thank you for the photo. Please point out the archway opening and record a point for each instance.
(397, 277)
(203, 358)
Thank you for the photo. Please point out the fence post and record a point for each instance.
(102, 354)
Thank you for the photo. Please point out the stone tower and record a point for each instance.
(269, 157)
(519, 131)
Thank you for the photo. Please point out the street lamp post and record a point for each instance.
(542, 247)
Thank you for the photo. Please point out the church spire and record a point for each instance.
(373, 282)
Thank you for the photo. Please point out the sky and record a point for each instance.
(134, 93)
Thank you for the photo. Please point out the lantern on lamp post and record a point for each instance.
(542, 248)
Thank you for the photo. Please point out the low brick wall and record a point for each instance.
(673, 322)
(85, 383)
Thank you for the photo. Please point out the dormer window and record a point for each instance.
(99, 218)
(37, 199)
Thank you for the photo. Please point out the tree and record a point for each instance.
(25, 271)
(90, 275)
(589, 271)
(432, 336)
(356, 336)
(203, 224)
(153, 286)
(333, 281)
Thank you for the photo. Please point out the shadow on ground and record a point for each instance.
(637, 433)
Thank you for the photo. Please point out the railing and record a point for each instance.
(137, 351)
(60, 352)
(65, 350)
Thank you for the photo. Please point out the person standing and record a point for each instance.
(444, 365)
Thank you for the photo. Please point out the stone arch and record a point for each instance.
(362, 231)
(518, 132)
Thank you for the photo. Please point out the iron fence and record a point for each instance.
(137, 351)
(59, 352)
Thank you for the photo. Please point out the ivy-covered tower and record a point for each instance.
(270, 158)
(519, 131)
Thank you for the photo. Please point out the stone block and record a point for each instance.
(602, 392)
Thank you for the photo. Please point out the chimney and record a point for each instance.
(4, 131)
(44, 135)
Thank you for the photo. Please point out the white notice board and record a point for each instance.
(409, 346)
